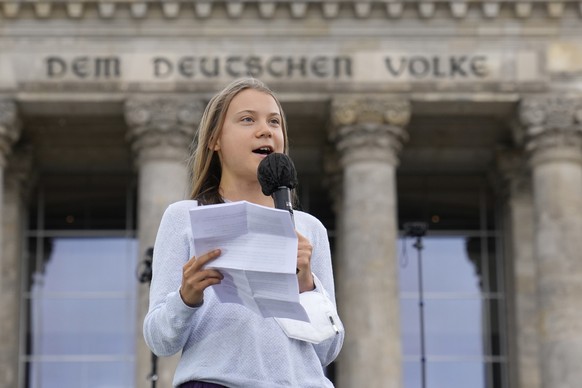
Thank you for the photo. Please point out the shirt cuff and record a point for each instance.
(318, 285)
(180, 310)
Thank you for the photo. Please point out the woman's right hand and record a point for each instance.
(195, 278)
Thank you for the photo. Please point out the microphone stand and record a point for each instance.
(145, 276)
(418, 230)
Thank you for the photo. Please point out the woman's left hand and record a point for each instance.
(304, 274)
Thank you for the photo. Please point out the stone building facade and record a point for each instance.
(464, 115)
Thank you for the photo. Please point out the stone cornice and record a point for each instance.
(326, 9)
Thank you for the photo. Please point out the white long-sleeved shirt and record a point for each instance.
(226, 343)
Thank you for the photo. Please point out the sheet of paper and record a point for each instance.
(259, 256)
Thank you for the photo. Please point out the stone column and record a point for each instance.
(520, 269)
(17, 190)
(9, 133)
(160, 132)
(553, 139)
(333, 182)
(9, 297)
(369, 133)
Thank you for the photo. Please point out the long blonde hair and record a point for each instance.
(204, 163)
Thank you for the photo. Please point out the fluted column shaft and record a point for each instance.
(554, 142)
(17, 190)
(521, 270)
(9, 133)
(369, 134)
(161, 130)
(9, 263)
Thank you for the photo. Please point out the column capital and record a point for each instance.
(9, 128)
(161, 127)
(369, 127)
(552, 127)
(370, 108)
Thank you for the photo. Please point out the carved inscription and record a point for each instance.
(281, 67)
(459, 66)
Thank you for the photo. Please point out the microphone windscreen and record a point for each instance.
(276, 170)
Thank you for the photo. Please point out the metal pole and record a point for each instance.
(418, 245)
(153, 377)
(145, 276)
(418, 230)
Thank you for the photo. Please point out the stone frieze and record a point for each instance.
(325, 9)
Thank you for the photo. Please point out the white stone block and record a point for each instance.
(458, 9)
(523, 10)
(394, 10)
(564, 57)
(203, 8)
(298, 10)
(490, 9)
(171, 10)
(362, 9)
(75, 10)
(555, 10)
(267, 9)
(234, 10)
(330, 10)
(43, 10)
(426, 10)
(11, 9)
(106, 10)
(139, 10)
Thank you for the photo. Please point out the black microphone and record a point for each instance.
(278, 177)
